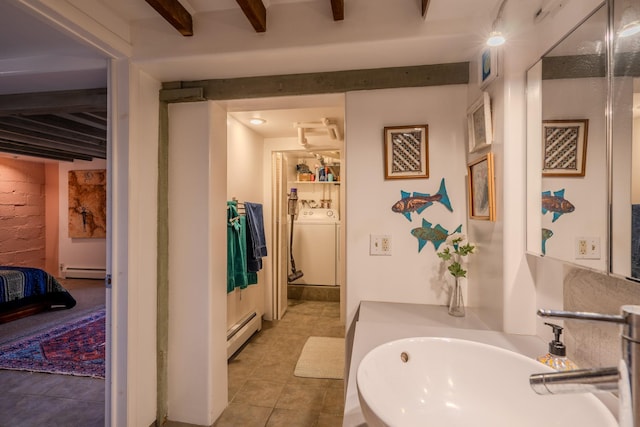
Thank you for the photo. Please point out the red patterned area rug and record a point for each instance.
(73, 348)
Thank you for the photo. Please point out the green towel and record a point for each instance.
(236, 249)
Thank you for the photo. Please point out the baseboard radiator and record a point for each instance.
(239, 333)
(84, 273)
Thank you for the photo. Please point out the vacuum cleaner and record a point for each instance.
(292, 206)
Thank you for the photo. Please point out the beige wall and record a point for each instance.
(52, 215)
(22, 213)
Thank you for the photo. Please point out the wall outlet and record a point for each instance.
(587, 248)
(379, 245)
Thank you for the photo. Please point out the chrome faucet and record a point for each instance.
(601, 379)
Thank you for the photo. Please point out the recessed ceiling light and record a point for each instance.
(495, 39)
(257, 121)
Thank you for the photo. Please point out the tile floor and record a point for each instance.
(262, 388)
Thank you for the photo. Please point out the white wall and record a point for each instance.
(245, 174)
(197, 357)
(83, 253)
(406, 275)
(143, 243)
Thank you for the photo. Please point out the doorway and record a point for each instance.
(297, 132)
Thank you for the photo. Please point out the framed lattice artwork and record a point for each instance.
(564, 147)
(406, 152)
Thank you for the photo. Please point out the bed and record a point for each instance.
(25, 291)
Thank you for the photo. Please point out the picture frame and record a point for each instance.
(479, 123)
(488, 66)
(406, 152)
(481, 188)
(564, 147)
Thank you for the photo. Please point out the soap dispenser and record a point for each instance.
(557, 355)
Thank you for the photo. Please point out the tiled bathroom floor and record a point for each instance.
(262, 388)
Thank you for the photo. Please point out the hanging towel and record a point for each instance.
(236, 249)
(256, 242)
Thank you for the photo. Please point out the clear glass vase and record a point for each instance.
(456, 301)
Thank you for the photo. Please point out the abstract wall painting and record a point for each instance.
(479, 123)
(482, 204)
(564, 147)
(88, 204)
(487, 66)
(406, 153)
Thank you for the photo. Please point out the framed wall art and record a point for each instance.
(479, 123)
(487, 66)
(88, 204)
(564, 147)
(406, 152)
(482, 204)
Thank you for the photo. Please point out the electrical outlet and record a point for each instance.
(380, 245)
(587, 248)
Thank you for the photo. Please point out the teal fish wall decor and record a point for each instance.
(420, 201)
(436, 235)
(546, 235)
(556, 203)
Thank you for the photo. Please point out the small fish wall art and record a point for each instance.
(436, 235)
(546, 235)
(420, 201)
(556, 203)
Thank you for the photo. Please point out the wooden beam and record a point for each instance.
(337, 7)
(326, 82)
(69, 101)
(256, 13)
(425, 8)
(174, 13)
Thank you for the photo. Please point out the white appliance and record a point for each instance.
(315, 246)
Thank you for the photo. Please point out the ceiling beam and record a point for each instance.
(337, 7)
(32, 151)
(175, 14)
(28, 125)
(425, 8)
(327, 82)
(256, 13)
(54, 102)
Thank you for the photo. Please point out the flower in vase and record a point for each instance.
(456, 248)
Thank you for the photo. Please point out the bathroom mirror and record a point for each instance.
(567, 169)
(625, 137)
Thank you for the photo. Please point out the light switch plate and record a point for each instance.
(587, 248)
(380, 244)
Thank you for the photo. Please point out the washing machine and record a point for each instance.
(315, 246)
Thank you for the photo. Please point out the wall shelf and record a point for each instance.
(317, 182)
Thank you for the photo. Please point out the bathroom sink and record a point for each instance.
(426, 381)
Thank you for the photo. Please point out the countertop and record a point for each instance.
(380, 322)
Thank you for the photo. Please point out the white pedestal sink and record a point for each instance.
(426, 381)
